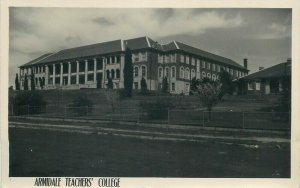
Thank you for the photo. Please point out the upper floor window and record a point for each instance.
(193, 61)
(167, 60)
(173, 72)
(182, 58)
(160, 58)
(143, 56)
(172, 58)
(198, 65)
(187, 59)
(160, 72)
(143, 71)
(203, 64)
(136, 71)
(208, 65)
(218, 68)
(181, 72)
(213, 67)
(167, 72)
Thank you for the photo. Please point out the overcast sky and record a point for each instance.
(261, 35)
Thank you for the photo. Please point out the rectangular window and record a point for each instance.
(81, 79)
(182, 58)
(173, 87)
(218, 68)
(187, 58)
(193, 61)
(143, 56)
(172, 57)
(136, 57)
(213, 67)
(250, 86)
(203, 64)
(166, 58)
(90, 77)
(160, 58)
(50, 81)
(57, 80)
(65, 80)
(99, 64)
(73, 79)
(73, 67)
(90, 65)
(81, 66)
(65, 68)
(257, 86)
(208, 65)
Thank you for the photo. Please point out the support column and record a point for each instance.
(95, 70)
(69, 73)
(61, 74)
(46, 75)
(122, 64)
(115, 59)
(53, 83)
(77, 72)
(85, 71)
(103, 72)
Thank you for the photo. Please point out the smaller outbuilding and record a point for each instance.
(272, 80)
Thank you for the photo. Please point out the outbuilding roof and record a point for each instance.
(279, 70)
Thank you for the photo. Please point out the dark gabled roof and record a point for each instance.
(170, 46)
(136, 43)
(279, 70)
(119, 45)
(208, 55)
(85, 51)
(36, 60)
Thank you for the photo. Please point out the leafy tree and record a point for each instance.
(165, 85)
(32, 81)
(227, 86)
(194, 84)
(17, 83)
(110, 84)
(143, 86)
(25, 82)
(209, 95)
(128, 73)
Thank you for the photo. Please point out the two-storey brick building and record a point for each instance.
(90, 66)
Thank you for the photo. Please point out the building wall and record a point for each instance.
(77, 73)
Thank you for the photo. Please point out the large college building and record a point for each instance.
(91, 66)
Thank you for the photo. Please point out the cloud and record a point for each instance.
(275, 31)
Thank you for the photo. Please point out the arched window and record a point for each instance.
(208, 75)
(181, 72)
(193, 73)
(143, 71)
(107, 74)
(136, 71)
(160, 72)
(214, 78)
(167, 72)
(113, 74)
(187, 73)
(203, 74)
(118, 73)
(173, 72)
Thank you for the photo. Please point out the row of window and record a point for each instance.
(113, 74)
(136, 71)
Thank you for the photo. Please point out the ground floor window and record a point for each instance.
(73, 79)
(250, 86)
(173, 87)
(57, 80)
(81, 79)
(90, 77)
(136, 85)
(50, 81)
(65, 80)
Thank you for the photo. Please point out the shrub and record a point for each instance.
(157, 109)
(28, 98)
(81, 105)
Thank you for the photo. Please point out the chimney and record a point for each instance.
(246, 63)
(261, 68)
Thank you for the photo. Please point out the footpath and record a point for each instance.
(151, 131)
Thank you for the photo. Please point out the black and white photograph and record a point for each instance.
(149, 93)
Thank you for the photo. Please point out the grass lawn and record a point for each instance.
(50, 153)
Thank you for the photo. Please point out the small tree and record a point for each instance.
(143, 86)
(226, 84)
(165, 85)
(209, 95)
(128, 73)
(32, 82)
(194, 84)
(25, 82)
(110, 84)
(17, 83)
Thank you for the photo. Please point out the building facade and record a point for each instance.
(91, 66)
(271, 80)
